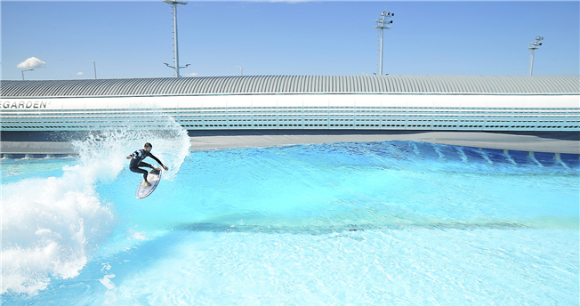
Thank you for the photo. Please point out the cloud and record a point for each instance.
(80, 73)
(32, 62)
(190, 74)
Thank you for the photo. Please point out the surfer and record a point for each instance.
(137, 161)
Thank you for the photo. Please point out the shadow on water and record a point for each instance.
(324, 230)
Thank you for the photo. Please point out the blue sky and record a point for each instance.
(134, 39)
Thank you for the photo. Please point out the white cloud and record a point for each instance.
(32, 62)
(190, 74)
(80, 73)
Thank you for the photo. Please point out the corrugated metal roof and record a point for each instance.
(294, 85)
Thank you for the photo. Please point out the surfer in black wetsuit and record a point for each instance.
(137, 161)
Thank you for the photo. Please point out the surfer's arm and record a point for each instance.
(158, 161)
(133, 155)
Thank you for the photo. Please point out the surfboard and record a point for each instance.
(144, 191)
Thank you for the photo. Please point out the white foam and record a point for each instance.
(50, 226)
(106, 281)
(110, 295)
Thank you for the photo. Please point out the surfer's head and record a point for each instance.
(148, 147)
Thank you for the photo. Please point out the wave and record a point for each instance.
(51, 226)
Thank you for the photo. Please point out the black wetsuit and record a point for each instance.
(137, 161)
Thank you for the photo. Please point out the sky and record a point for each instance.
(132, 39)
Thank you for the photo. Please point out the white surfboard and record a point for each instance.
(144, 191)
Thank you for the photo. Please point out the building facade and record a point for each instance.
(416, 103)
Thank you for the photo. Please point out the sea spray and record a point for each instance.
(170, 144)
(51, 225)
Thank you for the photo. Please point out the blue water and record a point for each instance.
(391, 223)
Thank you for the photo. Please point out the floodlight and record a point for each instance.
(384, 23)
(533, 47)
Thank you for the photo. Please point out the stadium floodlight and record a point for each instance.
(533, 47)
(384, 23)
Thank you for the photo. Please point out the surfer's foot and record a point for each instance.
(146, 183)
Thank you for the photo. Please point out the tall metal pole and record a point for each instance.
(533, 47)
(95, 69)
(175, 45)
(175, 41)
(384, 23)
(381, 53)
(532, 63)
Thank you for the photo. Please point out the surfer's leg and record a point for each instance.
(142, 164)
(142, 171)
(146, 173)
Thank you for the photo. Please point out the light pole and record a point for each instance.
(23, 72)
(241, 70)
(95, 69)
(534, 46)
(174, 4)
(384, 23)
(177, 70)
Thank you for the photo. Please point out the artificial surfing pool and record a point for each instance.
(388, 223)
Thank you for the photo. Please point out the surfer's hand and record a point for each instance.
(128, 157)
(165, 167)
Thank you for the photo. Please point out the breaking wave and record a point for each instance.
(51, 226)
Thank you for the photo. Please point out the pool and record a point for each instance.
(387, 223)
